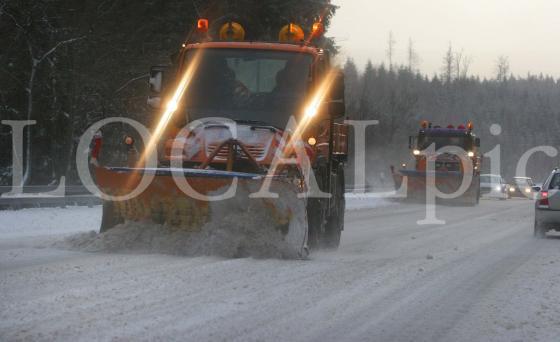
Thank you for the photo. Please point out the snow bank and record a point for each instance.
(48, 221)
(369, 200)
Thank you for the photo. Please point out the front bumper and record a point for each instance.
(519, 193)
(492, 192)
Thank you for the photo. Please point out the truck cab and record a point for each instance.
(279, 97)
(461, 137)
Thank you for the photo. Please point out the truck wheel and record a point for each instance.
(315, 222)
(335, 223)
(540, 230)
(478, 197)
(316, 217)
(110, 217)
(333, 231)
(473, 198)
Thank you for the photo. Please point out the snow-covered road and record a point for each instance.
(480, 277)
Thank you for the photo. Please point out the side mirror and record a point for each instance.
(338, 89)
(156, 78)
(411, 142)
(337, 106)
(157, 85)
(477, 142)
(337, 109)
(537, 188)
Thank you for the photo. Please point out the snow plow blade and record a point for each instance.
(447, 182)
(252, 226)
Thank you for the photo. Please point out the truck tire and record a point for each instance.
(540, 230)
(473, 197)
(316, 212)
(478, 195)
(335, 222)
(110, 217)
(315, 222)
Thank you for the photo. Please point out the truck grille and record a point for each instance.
(257, 151)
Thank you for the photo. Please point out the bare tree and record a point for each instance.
(391, 49)
(502, 68)
(458, 59)
(462, 64)
(466, 65)
(36, 60)
(412, 56)
(448, 65)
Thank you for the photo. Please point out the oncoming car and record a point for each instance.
(547, 205)
(493, 186)
(522, 187)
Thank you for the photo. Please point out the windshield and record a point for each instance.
(490, 179)
(242, 84)
(523, 181)
(441, 141)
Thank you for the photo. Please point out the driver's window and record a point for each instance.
(555, 182)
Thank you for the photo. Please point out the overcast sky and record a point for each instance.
(527, 31)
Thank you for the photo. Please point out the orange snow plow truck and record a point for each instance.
(447, 156)
(248, 133)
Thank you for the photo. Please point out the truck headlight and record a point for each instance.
(470, 154)
(416, 152)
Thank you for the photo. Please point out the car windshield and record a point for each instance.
(523, 181)
(251, 85)
(425, 141)
(490, 179)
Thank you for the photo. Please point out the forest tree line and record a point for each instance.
(70, 63)
(400, 97)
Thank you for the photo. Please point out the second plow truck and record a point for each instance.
(251, 144)
(430, 145)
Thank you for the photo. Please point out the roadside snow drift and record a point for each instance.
(368, 200)
(48, 222)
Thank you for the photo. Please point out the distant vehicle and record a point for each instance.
(493, 186)
(448, 169)
(522, 187)
(547, 205)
